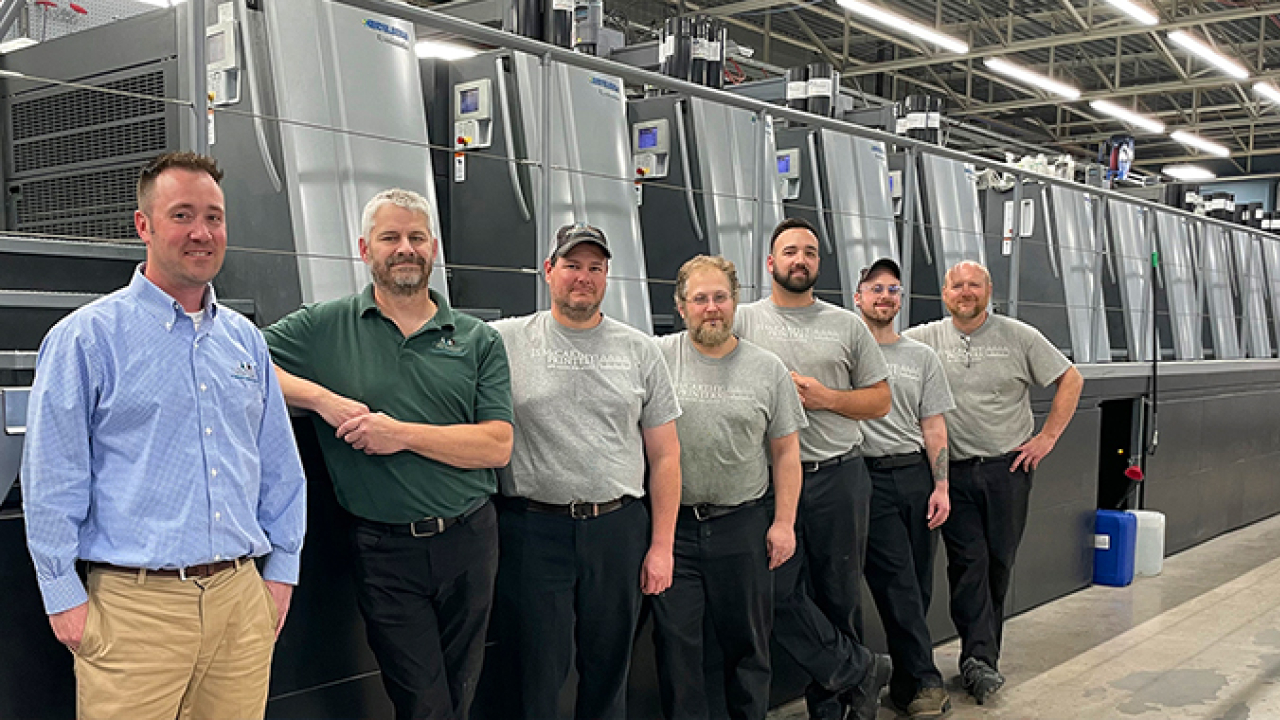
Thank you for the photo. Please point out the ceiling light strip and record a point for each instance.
(893, 21)
(1200, 143)
(1128, 116)
(1208, 54)
(1018, 72)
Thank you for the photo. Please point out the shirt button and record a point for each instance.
(168, 326)
(217, 558)
(214, 472)
(208, 431)
(217, 516)
(203, 387)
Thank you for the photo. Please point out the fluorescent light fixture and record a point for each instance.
(1135, 11)
(893, 21)
(1128, 116)
(17, 43)
(1268, 91)
(1018, 72)
(443, 50)
(1208, 54)
(164, 3)
(1196, 141)
(1187, 172)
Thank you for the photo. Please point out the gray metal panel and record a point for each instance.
(356, 88)
(861, 212)
(1079, 249)
(1178, 273)
(1271, 259)
(954, 216)
(1251, 280)
(591, 175)
(1219, 290)
(1132, 254)
(13, 426)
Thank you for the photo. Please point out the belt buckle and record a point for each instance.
(700, 512)
(577, 514)
(812, 466)
(436, 528)
(182, 574)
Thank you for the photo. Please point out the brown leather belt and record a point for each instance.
(195, 571)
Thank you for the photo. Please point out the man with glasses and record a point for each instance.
(741, 411)
(593, 401)
(906, 453)
(840, 374)
(991, 362)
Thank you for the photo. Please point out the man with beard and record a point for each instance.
(741, 410)
(908, 500)
(991, 362)
(593, 400)
(412, 404)
(840, 374)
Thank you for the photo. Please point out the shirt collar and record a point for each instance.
(443, 319)
(160, 304)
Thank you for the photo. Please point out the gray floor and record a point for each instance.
(1202, 640)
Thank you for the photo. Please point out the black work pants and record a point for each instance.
(569, 589)
(988, 514)
(816, 618)
(900, 570)
(425, 602)
(721, 574)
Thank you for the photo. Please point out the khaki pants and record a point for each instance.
(165, 648)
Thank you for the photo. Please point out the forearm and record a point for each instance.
(485, 444)
(1065, 401)
(300, 393)
(787, 481)
(934, 429)
(866, 403)
(664, 500)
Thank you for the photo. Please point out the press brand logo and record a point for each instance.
(244, 370)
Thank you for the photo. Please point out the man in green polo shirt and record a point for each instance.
(412, 402)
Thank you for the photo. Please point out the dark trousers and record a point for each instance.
(425, 602)
(988, 514)
(900, 570)
(721, 574)
(569, 589)
(817, 619)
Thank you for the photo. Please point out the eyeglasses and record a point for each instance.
(701, 300)
(878, 289)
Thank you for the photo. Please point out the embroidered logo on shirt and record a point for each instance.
(245, 370)
(448, 345)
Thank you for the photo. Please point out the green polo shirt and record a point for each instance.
(453, 370)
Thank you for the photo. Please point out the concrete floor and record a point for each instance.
(1202, 640)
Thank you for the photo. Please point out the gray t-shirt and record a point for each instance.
(919, 390)
(732, 407)
(825, 342)
(990, 373)
(580, 399)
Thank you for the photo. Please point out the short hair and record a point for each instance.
(407, 199)
(184, 160)
(705, 262)
(791, 223)
(946, 278)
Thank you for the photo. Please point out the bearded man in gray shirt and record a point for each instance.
(840, 374)
(592, 401)
(991, 362)
(906, 453)
(738, 400)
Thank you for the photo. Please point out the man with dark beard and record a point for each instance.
(412, 404)
(991, 362)
(741, 411)
(593, 400)
(840, 374)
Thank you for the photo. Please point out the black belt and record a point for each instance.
(815, 466)
(1005, 458)
(575, 510)
(427, 526)
(707, 511)
(891, 462)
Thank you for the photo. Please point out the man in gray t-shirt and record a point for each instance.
(592, 401)
(906, 454)
(741, 410)
(991, 362)
(840, 374)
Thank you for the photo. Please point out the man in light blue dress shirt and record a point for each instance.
(159, 453)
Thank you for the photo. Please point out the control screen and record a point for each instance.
(470, 100)
(648, 138)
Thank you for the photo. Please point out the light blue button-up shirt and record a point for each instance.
(153, 445)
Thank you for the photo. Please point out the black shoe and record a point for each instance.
(863, 700)
(980, 679)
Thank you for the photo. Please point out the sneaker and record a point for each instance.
(864, 699)
(980, 679)
(929, 702)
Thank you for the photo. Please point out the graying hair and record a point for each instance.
(407, 199)
(946, 279)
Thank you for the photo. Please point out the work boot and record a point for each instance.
(929, 702)
(863, 700)
(980, 679)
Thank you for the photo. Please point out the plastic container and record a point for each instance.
(1149, 555)
(1114, 542)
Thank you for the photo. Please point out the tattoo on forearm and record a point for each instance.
(940, 465)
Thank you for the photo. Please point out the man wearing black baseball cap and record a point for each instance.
(906, 454)
(593, 401)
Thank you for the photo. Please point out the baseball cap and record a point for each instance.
(886, 264)
(571, 236)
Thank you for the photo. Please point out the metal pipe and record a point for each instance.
(199, 77)
(9, 12)
(1015, 248)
